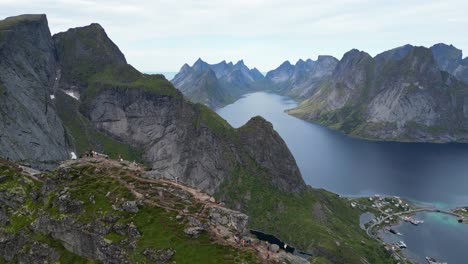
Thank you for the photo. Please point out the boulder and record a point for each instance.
(193, 231)
(130, 206)
(160, 255)
(273, 248)
(231, 219)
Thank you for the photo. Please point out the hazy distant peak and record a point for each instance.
(240, 63)
(199, 61)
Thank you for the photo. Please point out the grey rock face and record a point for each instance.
(163, 127)
(234, 220)
(11, 248)
(300, 80)
(30, 130)
(76, 240)
(450, 60)
(390, 98)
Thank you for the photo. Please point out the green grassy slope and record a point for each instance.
(156, 225)
(315, 221)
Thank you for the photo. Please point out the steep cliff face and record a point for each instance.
(30, 130)
(167, 129)
(177, 138)
(395, 96)
(300, 80)
(449, 59)
(217, 85)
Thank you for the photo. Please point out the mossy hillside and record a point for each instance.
(84, 136)
(157, 226)
(127, 77)
(99, 188)
(314, 220)
(18, 184)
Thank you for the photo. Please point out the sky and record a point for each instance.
(162, 35)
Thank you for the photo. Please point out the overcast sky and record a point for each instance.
(162, 35)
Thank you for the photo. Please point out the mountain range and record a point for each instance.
(405, 94)
(216, 85)
(64, 95)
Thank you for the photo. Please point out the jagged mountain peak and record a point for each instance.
(240, 62)
(355, 53)
(394, 54)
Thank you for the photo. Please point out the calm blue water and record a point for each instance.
(440, 237)
(424, 172)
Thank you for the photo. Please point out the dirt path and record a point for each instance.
(134, 171)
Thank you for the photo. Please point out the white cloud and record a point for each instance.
(164, 34)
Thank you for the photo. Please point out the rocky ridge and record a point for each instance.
(404, 94)
(300, 80)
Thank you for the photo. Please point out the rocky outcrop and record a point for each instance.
(82, 52)
(266, 147)
(301, 79)
(449, 59)
(217, 85)
(230, 219)
(13, 247)
(402, 94)
(30, 130)
(75, 239)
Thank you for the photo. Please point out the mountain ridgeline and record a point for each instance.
(405, 94)
(74, 91)
(300, 80)
(217, 85)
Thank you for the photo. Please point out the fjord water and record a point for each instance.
(440, 237)
(423, 172)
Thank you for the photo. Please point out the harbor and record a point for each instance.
(387, 216)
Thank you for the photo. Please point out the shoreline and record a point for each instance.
(390, 212)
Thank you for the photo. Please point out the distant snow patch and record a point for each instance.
(73, 94)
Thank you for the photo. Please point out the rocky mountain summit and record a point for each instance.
(408, 94)
(216, 85)
(300, 80)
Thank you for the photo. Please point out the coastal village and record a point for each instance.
(385, 212)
